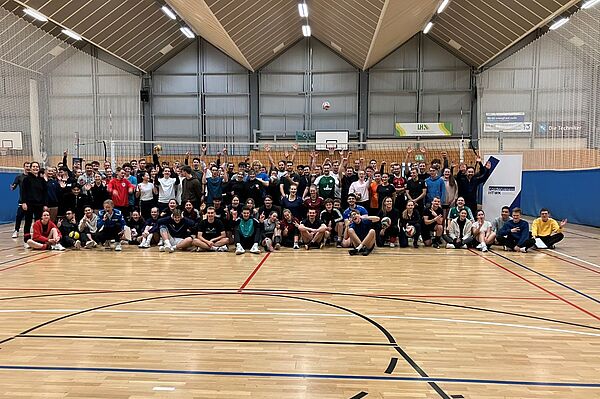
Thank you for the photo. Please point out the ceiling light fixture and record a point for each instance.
(559, 23)
(443, 6)
(187, 32)
(71, 34)
(428, 27)
(35, 14)
(303, 10)
(589, 4)
(306, 30)
(168, 11)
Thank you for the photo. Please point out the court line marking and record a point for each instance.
(302, 314)
(507, 298)
(256, 269)
(28, 262)
(571, 257)
(532, 270)
(304, 292)
(303, 376)
(534, 284)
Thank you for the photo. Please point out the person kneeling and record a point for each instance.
(362, 233)
(45, 234)
(459, 231)
(211, 233)
(176, 232)
(313, 231)
(247, 233)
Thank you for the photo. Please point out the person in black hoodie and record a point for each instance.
(98, 193)
(76, 201)
(176, 231)
(69, 230)
(34, 195)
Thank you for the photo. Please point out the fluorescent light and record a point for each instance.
(559, 23)
(303, 10)
(168, 11)
(187, 32)
(589, 4)
(428, 27)
(35, 14)
(443, 6)
(306, 30)
(71, 34)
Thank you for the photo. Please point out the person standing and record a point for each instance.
(18, 183)
(34, 193)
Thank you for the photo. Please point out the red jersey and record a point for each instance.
(317, 204)
(120, 191)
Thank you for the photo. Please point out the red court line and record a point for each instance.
(540, 287)
(571, 262)
(28, 262)
(254, 272)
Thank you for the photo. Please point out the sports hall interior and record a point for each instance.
(114, 80)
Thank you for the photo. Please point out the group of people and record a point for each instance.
(210, 205)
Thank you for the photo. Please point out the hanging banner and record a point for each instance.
(503, 185)
(423, 129)
(508, 122)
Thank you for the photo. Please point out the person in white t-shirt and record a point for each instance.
(360, 188)
(483, 232)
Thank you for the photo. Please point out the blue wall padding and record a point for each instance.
(571, 194)
(9, 199)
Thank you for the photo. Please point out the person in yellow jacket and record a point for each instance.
(548, 230)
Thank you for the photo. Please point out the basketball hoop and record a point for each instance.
(4, 151)
(331, 146)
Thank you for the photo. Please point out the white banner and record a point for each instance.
(503, 186)
(423, 129)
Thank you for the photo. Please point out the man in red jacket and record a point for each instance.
(45, 234)
(119, 188)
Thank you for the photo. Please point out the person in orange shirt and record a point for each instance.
(373, 195)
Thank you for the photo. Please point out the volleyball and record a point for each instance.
(385, 222)
(157, 148)
(74, 235)
(326, 105)
(410, 230)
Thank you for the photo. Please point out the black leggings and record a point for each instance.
(19, 218)
(33, 212)
(109, 233)
(510, 242)
(247, 242)
(403, 238)
(391, 231)
(456, 242)
(146, 208)
(551, 240)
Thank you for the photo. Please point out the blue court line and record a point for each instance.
(305, 376)
(546, 277)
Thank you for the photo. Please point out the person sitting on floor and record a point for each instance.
(334, 221)
(69, 230)
(547, 230)
(247, 233)
(111, 225)
(483, 232)
(514, 235)
(211, 233)
(289, 230)
(313, 231)
(459, 231)
(176, 232)
(147, 237)
(362, 233)
(45, 234)
(88, 226)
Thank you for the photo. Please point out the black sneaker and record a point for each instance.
(366, 251)
(416, 244)
(353, 251)
(436, 245)
(338, 244)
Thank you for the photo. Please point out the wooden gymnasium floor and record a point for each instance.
(398, 324)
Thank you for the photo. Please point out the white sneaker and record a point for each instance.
(223, 248)
(161, 248)
(392, 245)
(169, 248)
(26, 246)
(524, 250)
(89, 244)
(296, 246)
(464, 246)
(58, 247)
(484, 248)
(77, 244)
(255, 249)
(480, 246)
(15, 234)
(214, 249)
(118, 246)
(239, 249)
(450, 246)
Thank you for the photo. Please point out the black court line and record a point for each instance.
(582, 235)
(370, 296)
(391, 366)
(382, 329)
(359, 395)
(207, 340)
